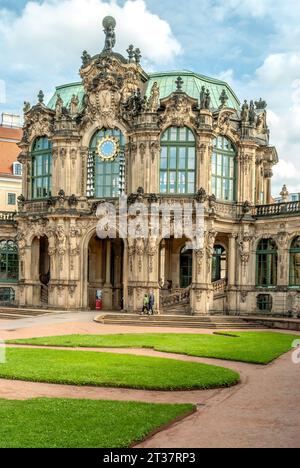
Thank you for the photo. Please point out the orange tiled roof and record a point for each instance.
(9, 151)
(11, 133)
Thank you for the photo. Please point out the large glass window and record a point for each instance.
(106, 176)
(219, 263)
(41, 169)
(9, 262)
(267, 263)
(295, 262)
(178, 161)
(224, 169)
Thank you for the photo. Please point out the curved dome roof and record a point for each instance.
(192, 84)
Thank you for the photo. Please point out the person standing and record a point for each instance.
(145, 304)
(151, 303)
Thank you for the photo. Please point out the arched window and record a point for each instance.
(295, 262)
(267, 263)
(9, 262)
(41, 168)
(106, 164)
(178, 161)
(224, 169)
(186, 267)
(219, 263)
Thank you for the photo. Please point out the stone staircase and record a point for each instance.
(13, 313)
(177, 321)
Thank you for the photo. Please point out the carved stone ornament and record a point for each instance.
(108, 83)
(38, 122)
(178, 111)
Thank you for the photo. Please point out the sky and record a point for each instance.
(254, 45)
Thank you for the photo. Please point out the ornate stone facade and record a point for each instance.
(62, 261)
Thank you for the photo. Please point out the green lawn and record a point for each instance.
(62, 423)
(253, 347)
(112, 370)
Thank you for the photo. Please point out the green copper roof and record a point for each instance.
(192, 84)
(66, 92)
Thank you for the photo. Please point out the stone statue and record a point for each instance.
(154, 98)
(62, 240)
(202, 98)
(109, 24)
(284, 194)
(252, 114)
(245, 112)
(26, 107)
(207, 100)
(59, 106)
(85, 58)
(74, 105)
(261, 124)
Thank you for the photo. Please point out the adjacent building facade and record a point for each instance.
(175, 138)
(10, 189)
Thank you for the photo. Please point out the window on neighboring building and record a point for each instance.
(267, 263)
(41, 169)
(17, 169)
(106, 176)
(11, 199)
(219, 263)
(224, 169)
(295, 262)
(9, 262)
(178, 161)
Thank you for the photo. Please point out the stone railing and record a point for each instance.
(36, 206)
(179, 297)
(220, 286)
(278, 209)
(7, 217)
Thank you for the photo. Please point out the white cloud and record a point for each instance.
(280, 67)
(42, 46)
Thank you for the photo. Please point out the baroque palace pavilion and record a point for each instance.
(171, 137)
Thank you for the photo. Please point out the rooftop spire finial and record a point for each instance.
(109, 24)
(179, 83)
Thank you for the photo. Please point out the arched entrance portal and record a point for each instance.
(176, 264)
(105, 272)
(41, 270)
(186, 267)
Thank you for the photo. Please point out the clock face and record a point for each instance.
(107, 148)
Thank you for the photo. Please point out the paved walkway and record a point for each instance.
(262, 411)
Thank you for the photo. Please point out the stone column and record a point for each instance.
(162, 260)
(232, 273)
(107, 292)
(232, 260)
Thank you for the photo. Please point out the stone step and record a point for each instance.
(176, 321)
(23, 312)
